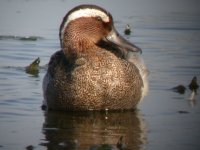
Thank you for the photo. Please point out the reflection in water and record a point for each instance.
(94, 130)
(192, 103)
(192, 98)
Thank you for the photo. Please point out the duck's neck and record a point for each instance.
(75, 44)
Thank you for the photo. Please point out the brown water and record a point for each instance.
(168, 33)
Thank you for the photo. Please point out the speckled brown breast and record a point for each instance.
(95, 81)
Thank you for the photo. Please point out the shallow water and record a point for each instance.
(168, 33)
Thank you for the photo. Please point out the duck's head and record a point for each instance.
(86, 26)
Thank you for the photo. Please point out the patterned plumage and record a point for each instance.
(92, 70)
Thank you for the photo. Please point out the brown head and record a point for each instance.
(87, 26)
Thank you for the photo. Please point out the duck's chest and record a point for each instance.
(105, 73)
(100, 83)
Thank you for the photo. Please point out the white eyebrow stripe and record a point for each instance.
(86, 12)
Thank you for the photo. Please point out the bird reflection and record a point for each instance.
(94, 130)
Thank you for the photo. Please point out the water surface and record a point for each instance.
(168, 32)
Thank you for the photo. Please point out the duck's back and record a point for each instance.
(100, 81)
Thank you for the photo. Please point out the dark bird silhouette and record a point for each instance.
(179, 89)
(127, 30)
(193, 86)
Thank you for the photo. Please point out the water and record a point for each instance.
(168, 33)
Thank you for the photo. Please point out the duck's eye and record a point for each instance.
(99, 18)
